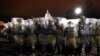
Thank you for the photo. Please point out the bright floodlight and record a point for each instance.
(78, 10)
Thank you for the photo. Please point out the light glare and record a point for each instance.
(78, 10)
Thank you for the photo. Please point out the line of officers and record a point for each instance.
(47, 37)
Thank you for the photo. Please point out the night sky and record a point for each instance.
(37, 8)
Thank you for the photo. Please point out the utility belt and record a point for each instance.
(71, 41)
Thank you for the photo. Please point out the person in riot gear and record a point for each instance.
(38, 46)
(50, 37)
(17, 35)
(29, 38)
(21, 36)
(81, 25)
(86, 32)
(59, 37)
(81, 31)
(88, 39)
(97, 37)
(9, 32)
(41, 36)
(70, 45)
